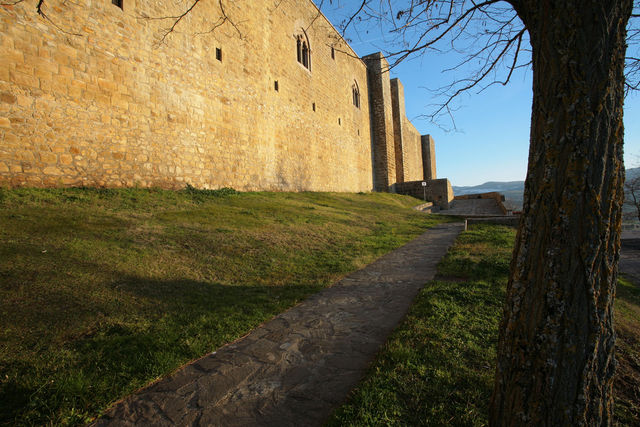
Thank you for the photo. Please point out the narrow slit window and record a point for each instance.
(219, 54)
(333, 53)
(313, 106)
(275, 86)
(117, 3)
(339, 121)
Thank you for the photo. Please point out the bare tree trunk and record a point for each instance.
(633, 188)
(556, 349)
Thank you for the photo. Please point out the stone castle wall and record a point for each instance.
(117, 106)
(407, 142)
(382, 126)
(412, 149)
(100, 95)
(428, 157)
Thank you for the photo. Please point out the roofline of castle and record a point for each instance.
(338, 32)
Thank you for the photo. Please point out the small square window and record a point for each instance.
(275, 86)
(117, 3)
(219, 54)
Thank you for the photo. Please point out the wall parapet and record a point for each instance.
(499, 198)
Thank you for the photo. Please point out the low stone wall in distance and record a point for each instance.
(499, 198)
(438, 191)
(510, 221)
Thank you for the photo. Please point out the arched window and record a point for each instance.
(356, 94)
(303, 50)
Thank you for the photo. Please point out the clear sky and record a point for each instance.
(491, 142)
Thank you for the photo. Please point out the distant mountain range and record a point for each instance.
(512, 190)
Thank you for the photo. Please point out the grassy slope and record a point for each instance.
(437, 367)
(102, 291)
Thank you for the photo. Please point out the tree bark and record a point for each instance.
(556, 348)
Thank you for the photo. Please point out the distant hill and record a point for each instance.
(513, 190)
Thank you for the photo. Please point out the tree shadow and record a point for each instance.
(120, 350)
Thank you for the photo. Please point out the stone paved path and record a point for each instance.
(295, 369)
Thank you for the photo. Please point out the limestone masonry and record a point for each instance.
(259, 95)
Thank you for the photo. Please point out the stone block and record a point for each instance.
(24, 80)
(11, 57)
(52, 170)
(8, 98)
(47, 157)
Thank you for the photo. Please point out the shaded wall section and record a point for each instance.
(382, 132)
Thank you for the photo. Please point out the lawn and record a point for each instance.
(103, 291)
(437, 367)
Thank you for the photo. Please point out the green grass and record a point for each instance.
(103, 291)
(627, 383)
(437, 368)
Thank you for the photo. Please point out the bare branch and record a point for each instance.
(632, 188)
(223, 19)
(344, 28)
(177, 20)
(632, 62)
(493, 39)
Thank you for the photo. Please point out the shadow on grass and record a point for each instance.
(119, 352)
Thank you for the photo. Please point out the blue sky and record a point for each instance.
(491, 142)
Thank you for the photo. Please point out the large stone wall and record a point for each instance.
(116, 105)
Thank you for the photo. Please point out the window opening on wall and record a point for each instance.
(275, 85)
(117, 3)
(333, 53)
(339, 121)
(303, 50)
(219, 54)
(355, 92)
(313, 106)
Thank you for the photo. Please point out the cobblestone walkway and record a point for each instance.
(295, 369)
